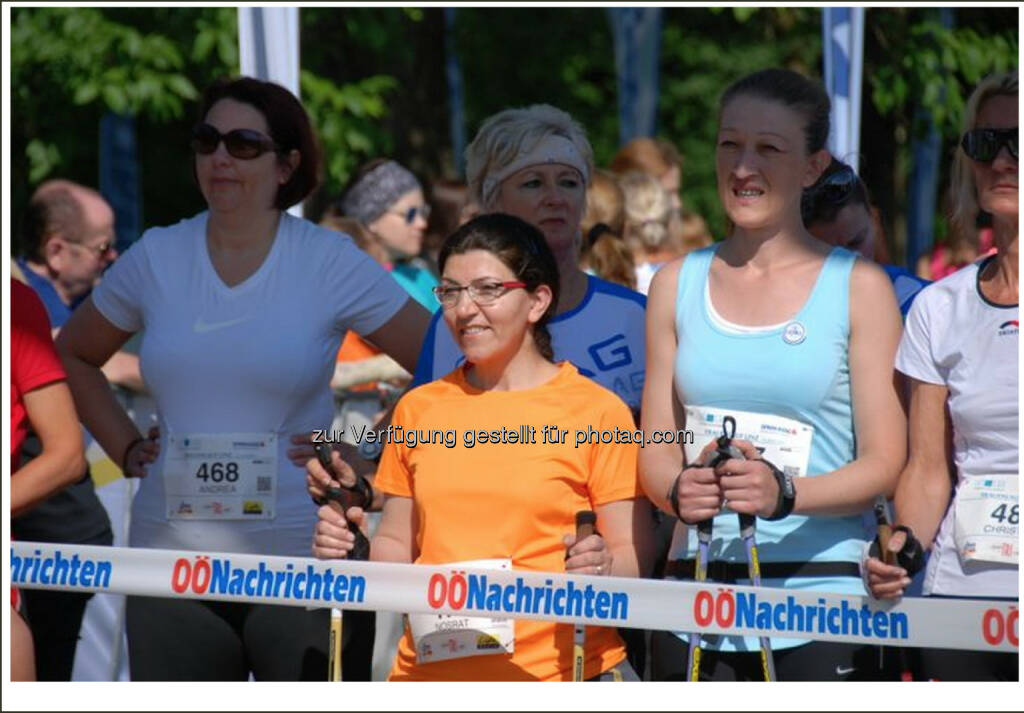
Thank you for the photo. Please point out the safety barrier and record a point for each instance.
(601, 601)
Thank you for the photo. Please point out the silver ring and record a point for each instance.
(599, 568)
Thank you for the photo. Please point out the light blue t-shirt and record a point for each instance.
(802, 374)
(418, 281)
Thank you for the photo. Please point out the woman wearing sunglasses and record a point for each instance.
(838, 210)
(960, 354)
(387, 199)
(243, 308)
(794, 339)
(457, 495)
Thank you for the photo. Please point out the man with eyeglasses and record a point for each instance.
(68, 240)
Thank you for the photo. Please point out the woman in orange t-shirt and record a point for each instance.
(509, 505)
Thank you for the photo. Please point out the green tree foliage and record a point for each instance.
(916, 69)
(935, 67)
(373, 79)
(703, 51)
(69, 66)
(348, 121)
(559, 56)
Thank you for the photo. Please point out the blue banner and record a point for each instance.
(843, 54)
(119, 176)
(637, 35)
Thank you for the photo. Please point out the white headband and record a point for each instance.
(550, 149)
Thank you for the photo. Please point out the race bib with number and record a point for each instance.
(783, 441)
(222, 476)
(987, 517)
(438, 637)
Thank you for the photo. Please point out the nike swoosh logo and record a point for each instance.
(840, 671)
(202, 326)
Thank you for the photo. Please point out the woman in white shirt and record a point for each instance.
(959, 352)
(243, 308)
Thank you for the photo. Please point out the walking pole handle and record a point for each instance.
(346, 497)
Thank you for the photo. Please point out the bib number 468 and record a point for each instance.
(217, 472)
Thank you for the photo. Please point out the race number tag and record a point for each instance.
(438, 637)
(987, 517)
(783, 441)
(223, 476)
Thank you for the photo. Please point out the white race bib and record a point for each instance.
(221, 476)
(438, 637)
(785, 442)
(987, 517)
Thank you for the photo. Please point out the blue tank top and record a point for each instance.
(798, 372)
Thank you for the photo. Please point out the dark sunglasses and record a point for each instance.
(983, 145)
(411, 213)
(836, 187)
(240, 143)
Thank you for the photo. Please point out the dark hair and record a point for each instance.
(522, 248)
(447, 199)
(821, 206)
(792, 90)
(50, 211)
(289, 127)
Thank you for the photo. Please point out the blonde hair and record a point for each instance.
(605, 203)
(654, 156)
(963, 192)
(610, 258)
(648, 210)
(505, 136)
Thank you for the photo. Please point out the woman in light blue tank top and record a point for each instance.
(796, 341)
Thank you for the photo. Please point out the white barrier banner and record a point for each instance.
(600, 601)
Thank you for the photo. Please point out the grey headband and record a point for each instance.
(377, 191)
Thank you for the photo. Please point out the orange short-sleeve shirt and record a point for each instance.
(486, 500)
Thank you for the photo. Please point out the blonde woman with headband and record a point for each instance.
(535, 163)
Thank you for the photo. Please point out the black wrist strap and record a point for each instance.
(673, 495)
(783, 505)
(365, 491)
(911, 556)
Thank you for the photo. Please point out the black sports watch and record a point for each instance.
(370, 450)
(787, 493)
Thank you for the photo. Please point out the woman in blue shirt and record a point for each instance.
(791, 337)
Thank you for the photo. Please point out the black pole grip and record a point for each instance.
(346, 497)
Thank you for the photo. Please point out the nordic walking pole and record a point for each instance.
(884, 524)
(748, 524)
(361, 551)
(585, 522)
(334, 647)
